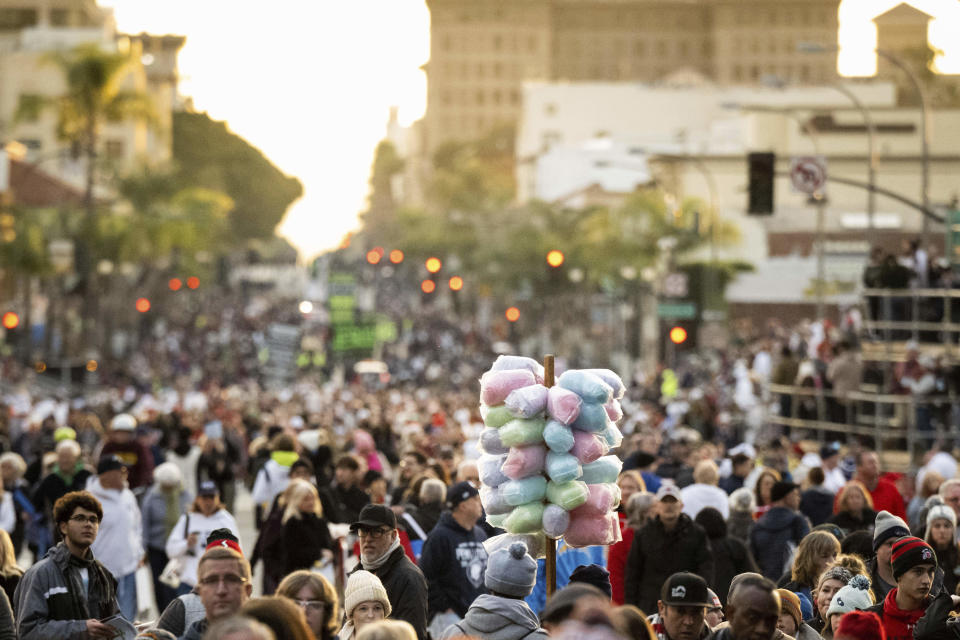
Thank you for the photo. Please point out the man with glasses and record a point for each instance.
(382, 555)
(68, 593)
(223, 583)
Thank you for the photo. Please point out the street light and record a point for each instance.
(816, 47)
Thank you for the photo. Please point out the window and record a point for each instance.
(15, 19)
(59, 18)
(114, 149)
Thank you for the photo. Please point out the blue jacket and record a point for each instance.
(773, 539)
(453, 562)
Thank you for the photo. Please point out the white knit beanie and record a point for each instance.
(854, 596)
(941, 512)
(363, 586)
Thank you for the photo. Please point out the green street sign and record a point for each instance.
(677, 310)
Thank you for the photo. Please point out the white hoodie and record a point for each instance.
(271, 481)
(119, 545)
(201, 525)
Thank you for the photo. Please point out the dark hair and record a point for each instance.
(304, 463)
(815, 476)
(347, 461)
(285, 619)
(64, 507)
(739, 459)
(560, 606)
(712, 522)
(282, 442)
(858, 543)
(764, 584)
(420, 458)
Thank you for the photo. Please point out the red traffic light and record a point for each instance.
(456, 283)
(428, 286)
(193, 282)
(373, 257)
(175, 284)
(433, 265)
(512, 314)
(678, 335)
(11, 320)
(396, 256)
(142, 305)
(555, 258)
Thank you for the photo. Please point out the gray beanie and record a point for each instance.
(888, 526)
(511, 571)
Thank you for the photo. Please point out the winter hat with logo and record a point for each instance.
(363, 586)
(940, 512)
(909, 552)
(888, 526)
(511, 571)
(860, 625)
(853, 597)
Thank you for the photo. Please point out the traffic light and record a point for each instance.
(760, 187)
(142, 305)
(555, 258)
(678, 335)
(433, 265)
(10, 320)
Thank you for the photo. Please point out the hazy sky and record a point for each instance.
(310, 82)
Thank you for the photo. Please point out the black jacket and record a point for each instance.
(453, 562)
(817, 504)
(656, 554)
(771, 538)
(730, 558)
(302, 540)
(406, 588)
(846, 521)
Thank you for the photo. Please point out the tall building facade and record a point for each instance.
(481, 51)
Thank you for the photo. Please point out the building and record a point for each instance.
(482, 51)
(693, 142)
(30, 30)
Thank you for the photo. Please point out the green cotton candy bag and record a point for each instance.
(497, 520)
(527, 518)
(517, 492)
(518, 433)
(568, 495)
(496, 416)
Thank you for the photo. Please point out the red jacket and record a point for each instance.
(617, 561)
(886, 497)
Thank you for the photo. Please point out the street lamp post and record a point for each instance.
(814, 47)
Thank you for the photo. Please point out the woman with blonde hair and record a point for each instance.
(318, 599)
(817, 551)
(10, 571)
(388, 630)
(854, 509)
(305, 537)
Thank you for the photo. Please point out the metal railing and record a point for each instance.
(922, 315)
(917, 420)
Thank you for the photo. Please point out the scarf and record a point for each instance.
(284, 458)
(347, 632)
(96, 602)
(898, 623)
(375, 564)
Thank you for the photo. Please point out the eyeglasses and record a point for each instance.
(229, 579)
(311, 605)
(88, 519)
(373, 533)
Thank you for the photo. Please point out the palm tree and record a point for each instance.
(95, 95)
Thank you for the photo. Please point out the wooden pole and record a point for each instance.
(550, 562)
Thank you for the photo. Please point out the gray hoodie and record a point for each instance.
(495, 618)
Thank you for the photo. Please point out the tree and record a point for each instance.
(207, 154)
(95, 95)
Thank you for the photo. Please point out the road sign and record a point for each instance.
(808, 174)
(675, 285)
(677, 310)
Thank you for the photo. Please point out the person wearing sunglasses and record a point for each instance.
(68, 592)
(382, 555)
(318, 599)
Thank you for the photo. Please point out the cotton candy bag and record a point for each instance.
(489, 468)
(496, 416)
(563, 405)
(520, 432)
(507, 363)
(586, 385)
(527, 402)
(556, 519)
(588, 447)
(568, 495)
(606, 469)
(495, 386)
(612, 379)
(593, 418)
(526, 518)
(517, 492)
(490, 442)
(524, 461)
(558, 436)
(493, 502)
(587, 530)
(562, 467)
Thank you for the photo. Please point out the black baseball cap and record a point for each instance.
(460, 492)
(375, 515)
(109, 463)
(207, 488)
(685, 590)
